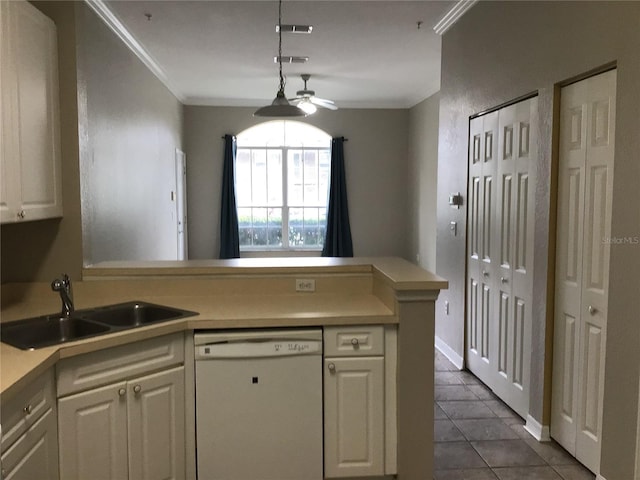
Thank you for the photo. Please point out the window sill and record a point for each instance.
(280, 253)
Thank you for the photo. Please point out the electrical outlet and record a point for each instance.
(305, 285)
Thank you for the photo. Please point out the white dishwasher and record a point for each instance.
(259, 404)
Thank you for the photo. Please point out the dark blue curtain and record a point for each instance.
(229, 236)
(337, 242)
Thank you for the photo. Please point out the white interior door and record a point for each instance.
(587, 131)
(181, 205)
(501, 214)
(480, 283)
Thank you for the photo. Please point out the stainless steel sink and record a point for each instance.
(50, 330)
(134, 314)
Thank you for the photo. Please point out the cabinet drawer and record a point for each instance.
(357, 340)
(22, 411)
(119, 363)
(34, 454)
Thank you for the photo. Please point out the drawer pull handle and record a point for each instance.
(122, 392)
(355, 342)
(28, 409)
(332, 367)
(137, 389)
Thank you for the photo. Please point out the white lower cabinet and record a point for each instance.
(29, 433)
(132, 428)
(140, 424)
(354, 416)
(359, 425)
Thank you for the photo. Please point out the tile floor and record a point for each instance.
(477, 437)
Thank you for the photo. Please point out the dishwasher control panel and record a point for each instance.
(271, 348)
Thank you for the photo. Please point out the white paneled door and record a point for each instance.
(585, 179)
(502, 153)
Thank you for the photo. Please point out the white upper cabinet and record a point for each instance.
(30, 185)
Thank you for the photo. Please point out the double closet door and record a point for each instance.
(585, 183)
(502, 156)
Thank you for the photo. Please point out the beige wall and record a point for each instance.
(497, 52)
(376, 170)
(40, 251)
(422, 180)
(130, 125)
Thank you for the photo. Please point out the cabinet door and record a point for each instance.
(156, 426)
(354, 416)
(92, 429)
(30, 125)
(9, 173)
(34, 454)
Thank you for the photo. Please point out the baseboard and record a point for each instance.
(538, 431)
(448, 352)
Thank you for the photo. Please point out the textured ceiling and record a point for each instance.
(369, 54)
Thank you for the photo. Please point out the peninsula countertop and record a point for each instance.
(241, 293)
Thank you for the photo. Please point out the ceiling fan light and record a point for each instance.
(308, 107)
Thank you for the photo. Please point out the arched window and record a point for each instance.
(282, 186)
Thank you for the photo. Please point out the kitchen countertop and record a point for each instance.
(223, 292)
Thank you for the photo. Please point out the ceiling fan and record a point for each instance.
(306, 99)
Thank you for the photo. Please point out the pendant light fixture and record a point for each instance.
(280, 107)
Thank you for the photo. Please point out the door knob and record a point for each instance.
(592, 310)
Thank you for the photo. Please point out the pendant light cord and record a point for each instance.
(280, 45)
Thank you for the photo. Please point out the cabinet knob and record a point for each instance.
(21, 214)
(355, 342)
(137, 389)
(592, 310)
(485, 273)
(28, 409)
(504, 279)
(332, 367)
(122, 392)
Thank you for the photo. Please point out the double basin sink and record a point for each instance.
(50, 330)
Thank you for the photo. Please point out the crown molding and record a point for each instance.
(110, 19)
(453, 15)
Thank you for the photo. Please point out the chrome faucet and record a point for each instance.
(63, 286)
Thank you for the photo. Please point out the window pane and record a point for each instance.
(264, 135)
(296, 227)
(310, 226)
(259, 177)
(310, 177)
(324, 168)
(244, 226)
(259, 226)
(274, 177)
(274, 229)
(295, 178)
(243, 177)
